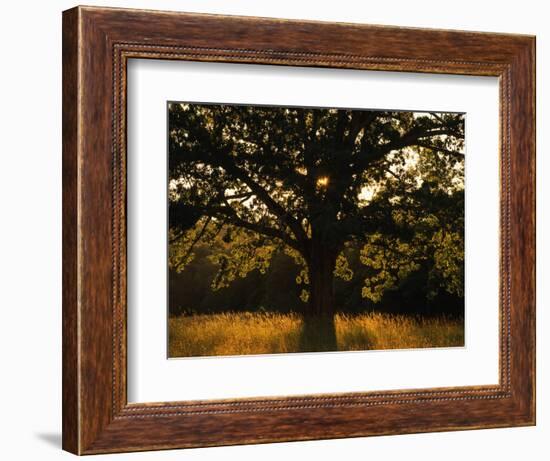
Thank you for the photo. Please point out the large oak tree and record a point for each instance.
(312, 182)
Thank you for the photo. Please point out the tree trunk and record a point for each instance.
(321, 265)
(318, 331)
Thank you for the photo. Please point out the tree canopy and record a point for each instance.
(317, 184)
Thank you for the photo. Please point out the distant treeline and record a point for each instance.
(277, 291)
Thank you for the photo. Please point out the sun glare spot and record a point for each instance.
(322, 181)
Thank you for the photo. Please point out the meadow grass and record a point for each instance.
(272, 333)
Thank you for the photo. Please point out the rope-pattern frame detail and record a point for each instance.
(115, 251)
(266, 55)
(303, 406)
(121, 52)
(507, 226)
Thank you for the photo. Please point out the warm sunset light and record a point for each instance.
(300, 229)
(322, 181)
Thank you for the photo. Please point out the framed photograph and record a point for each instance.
(280, 230)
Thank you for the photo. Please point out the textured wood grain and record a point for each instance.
(97, 44)
(70, 390)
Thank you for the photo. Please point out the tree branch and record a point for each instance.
(232, 217)
(264, 196)
(412, 138)
(220, 159)
(194, 242)
(440, 149)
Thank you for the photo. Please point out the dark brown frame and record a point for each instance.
(97, 42)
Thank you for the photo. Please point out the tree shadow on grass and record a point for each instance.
(318, 334)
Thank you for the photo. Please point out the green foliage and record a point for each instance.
(391, 261)
(448, 269)
(342, 269)
(423, 200)
(234, 251)
(242, 253)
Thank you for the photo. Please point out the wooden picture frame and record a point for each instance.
(97, 43)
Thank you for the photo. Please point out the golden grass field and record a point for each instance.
(271, 333)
